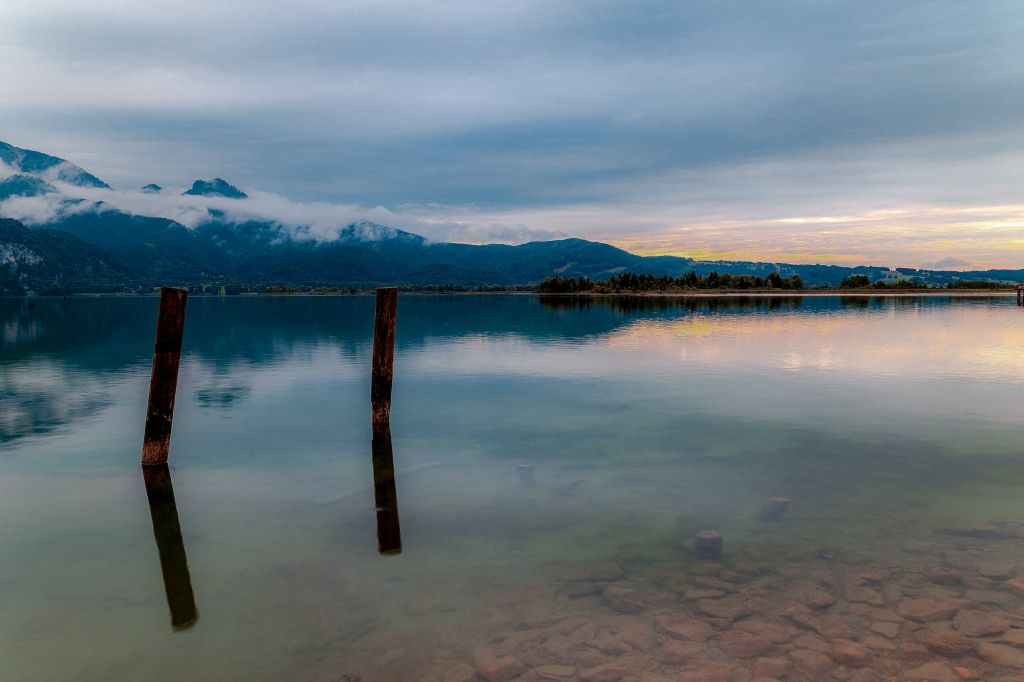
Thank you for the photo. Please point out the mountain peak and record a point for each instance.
(367, 231)
(21, 185)
(49, 167)
(152, 188)
(217, 187)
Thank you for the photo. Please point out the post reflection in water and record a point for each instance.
(385, 495)
(167, 532)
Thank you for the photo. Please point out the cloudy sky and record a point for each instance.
(848, 132)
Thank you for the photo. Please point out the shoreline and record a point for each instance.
(795, 293)
(703, 293)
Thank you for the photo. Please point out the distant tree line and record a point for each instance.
(862, 282)
(632, 283)
(977, 284)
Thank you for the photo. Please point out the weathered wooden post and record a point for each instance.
(383, 355)
(163, 383)
(385, 494)
(775, 508)
(167, 533)
(1020, 294)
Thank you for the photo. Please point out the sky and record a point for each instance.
(888, 133)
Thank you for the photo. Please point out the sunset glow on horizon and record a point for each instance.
(969, 238)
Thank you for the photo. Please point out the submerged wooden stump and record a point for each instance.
(775, 508)
(385, 316)
(163, 383)
(708, 544)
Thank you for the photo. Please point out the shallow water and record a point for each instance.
(891, 423)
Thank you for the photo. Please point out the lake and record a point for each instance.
(554, 460)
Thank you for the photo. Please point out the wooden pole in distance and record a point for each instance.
(170, 327)
(383, 355)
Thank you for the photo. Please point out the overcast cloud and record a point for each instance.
(876, 132)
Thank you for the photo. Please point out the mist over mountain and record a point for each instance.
(66, 230)
(46, 166)
(21, 185)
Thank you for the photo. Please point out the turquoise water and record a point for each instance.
(892, 423)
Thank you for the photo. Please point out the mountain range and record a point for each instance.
(69, 242)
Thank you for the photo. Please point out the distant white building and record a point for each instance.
(893, 278)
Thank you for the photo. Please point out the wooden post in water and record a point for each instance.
(167, 533)
(170, 327)
(1020, 294)
(383, 355)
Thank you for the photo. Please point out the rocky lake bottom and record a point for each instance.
(942, 607)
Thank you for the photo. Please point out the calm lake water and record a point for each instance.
(893, 424)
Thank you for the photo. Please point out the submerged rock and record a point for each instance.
(461, 672)
(933, 672)
(849, 653)
(815, 598)
(946, 576)
(980, 623)
(623, 599)
(1015, 585)
(710, 672)
(810, 663)
(929, 609)
(1001, 655)
(877, 643)
(675, 651)
(724, 609)
(999, 570)
(555, 672)
(681, 627)
(607, 672)
(988, 597)
(946, 642)
(745, 645)
(889, 630)
(865, 595)
(912, 651)
(830, 627)
(778, 634)
(1015, 637)
(770, 667)
(497, 668)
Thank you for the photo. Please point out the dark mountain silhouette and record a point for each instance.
(215, 188)
(122, 251)
(53, 261)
